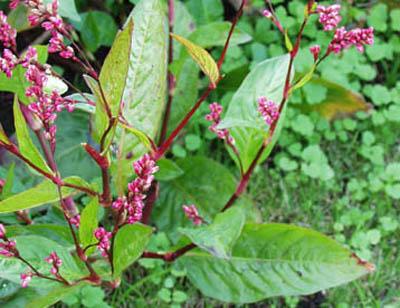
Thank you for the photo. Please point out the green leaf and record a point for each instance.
(44, 193)
(169, 170)
(98, 29)
(113, 75)
(54, 296)
(130, 242)
(274, 260)
(71, 158)
(205, 11)
(18, 18)
(3, 137)
(144, 139)
(201, 57)
(288, 42)
(205, 183)
(304, 80)
(216, 33)
(219, 237)
(89, 223)
(35, 249)
(243, 119)
(25, 143)
(339, 101)
(146, 85)
(67, 8)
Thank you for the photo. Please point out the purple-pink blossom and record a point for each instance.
(2, 231)
(344, 39)
(267, 13)
(56, 263)
(45, 105)
(192, 213)
(268, 109)
(7, 33)
(8, 62)
(75, 221)
(8, 248)
(215, 118)
(104, 239)
(25, 279)
(329, 16)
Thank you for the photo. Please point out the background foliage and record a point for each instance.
(336, 167)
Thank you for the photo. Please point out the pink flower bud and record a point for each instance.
(267, 14)
(315, 50)
(25, 279)
(329, 16)
(2, 231)
(192, 213)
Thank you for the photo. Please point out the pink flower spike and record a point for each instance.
(2, 231)
(104, 238)
(75, 221)
(329, 16)
(192, 213)
(55, 261)
(8, 62)
(215, 117)
(7, 33)
(13, 4)
(30, 56)
(315, 50)
(345, 39)
(25, 279)
(8, 249)
(268, 109)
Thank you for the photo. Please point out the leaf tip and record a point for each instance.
(368, 266)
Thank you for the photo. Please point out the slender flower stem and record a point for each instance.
(212, 86)
(40, 275)
(170, 76)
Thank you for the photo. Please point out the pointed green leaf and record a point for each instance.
(114, 72)
(25, 143)
(243, 119)
(54, 296)
(130, 242)
(274, 260)
(3, 137)
(44, 193)
(201, 57)
(305, 79)
(89, 223)
(145, 92)
(219, 237)
(169, 170)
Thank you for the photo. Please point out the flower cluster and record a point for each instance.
(46, 103)
(192, 213)
(268, 109)
(104, 238)
(56, 263)
(7, 247)
(329, 16)
(7, 33)
(215, 117)
(8, 62)
(25, 279)
(75, 220)
(144, 168)
(344, 39)
(51, 21)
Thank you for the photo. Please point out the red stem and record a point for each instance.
(212, 86)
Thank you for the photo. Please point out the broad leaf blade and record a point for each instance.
(219, 237)
(3, 137)
(243, 119)
(89, 223)
(114, 72)
(54, 296)
(44, 193)
(274, 260)
(201, 57)
(130, 242)
(25, 143)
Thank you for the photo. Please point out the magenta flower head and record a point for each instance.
(76, 220)
(8, 249)
(357, 37)
(55, 261)
(13, 4)
(104, 238)
(315, 50)
(2, 231)
(215, 118)
(7, 33)
(268, 109)
(8, 62)
(192, 213)
(25, 279)
(329, 16)
(267, 13)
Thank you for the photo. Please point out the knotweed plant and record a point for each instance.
(227, 253)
